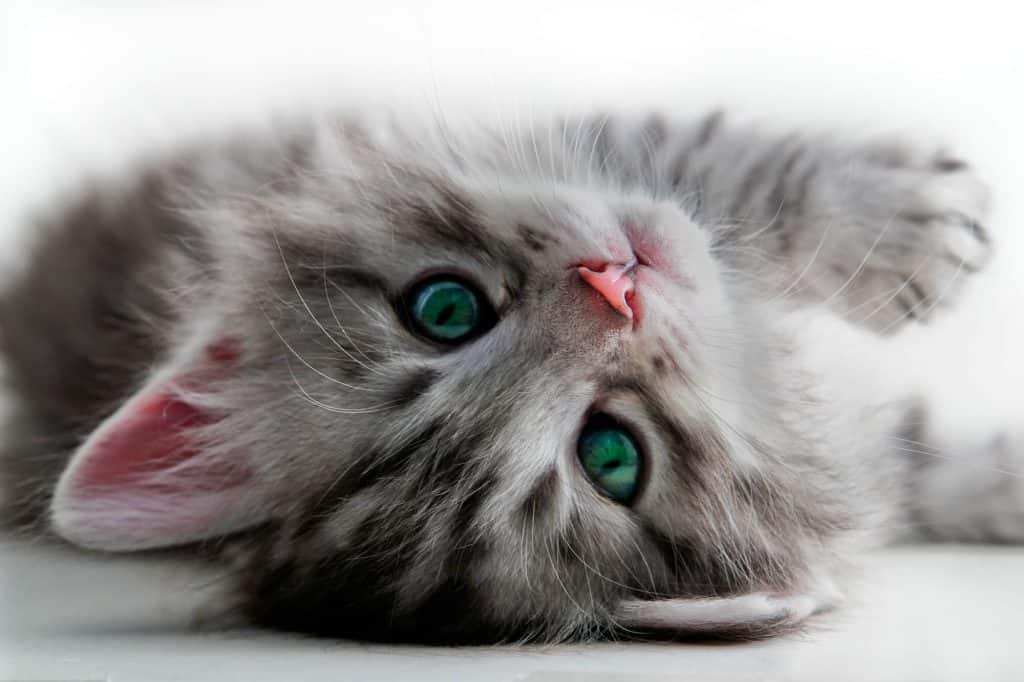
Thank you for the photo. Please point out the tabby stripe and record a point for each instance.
(378, 464)
(709, 127)
(756, 177)
(454, 220)
(539, 502)
(417, 384)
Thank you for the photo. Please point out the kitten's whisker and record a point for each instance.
(305, 304)
(587, 568)
(593, 149)
(653, 589)
(968, 461)
(551, 151)
(810, 263)
(528, 541)
(558, 577)
(380, 317)
(863, 262)
(313, 369)
(440, 123)
(595, 571)
(771, 223)
(817, 253)
(889, 295)
(739, 434)
(650, 158)
(341, 327)
(577, 139)
(907, 281)
(938, 298)
(544, 206)
(331, 408)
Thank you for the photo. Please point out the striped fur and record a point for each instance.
(410, 492)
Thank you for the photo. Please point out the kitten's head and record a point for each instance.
(470, 401)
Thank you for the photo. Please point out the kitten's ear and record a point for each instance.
(147, 477)
(747, 616)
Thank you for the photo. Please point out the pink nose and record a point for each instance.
(613, 282)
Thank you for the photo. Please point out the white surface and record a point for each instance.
(87, 85)
(936, 613)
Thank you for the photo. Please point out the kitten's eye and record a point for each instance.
(448, 310)
(611, 458)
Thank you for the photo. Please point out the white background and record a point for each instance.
(86, 86)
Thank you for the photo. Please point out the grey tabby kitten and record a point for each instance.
(491, 386)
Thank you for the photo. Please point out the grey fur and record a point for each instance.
(430, 494)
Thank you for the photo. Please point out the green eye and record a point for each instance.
(611, 459)
(447, 310)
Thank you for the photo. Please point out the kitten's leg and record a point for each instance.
(883, 232)
(914, 484)
(968, 493)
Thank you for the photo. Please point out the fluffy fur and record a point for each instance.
(399, 490)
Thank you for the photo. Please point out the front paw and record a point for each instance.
(913, 232)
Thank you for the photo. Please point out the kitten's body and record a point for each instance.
(388, 488)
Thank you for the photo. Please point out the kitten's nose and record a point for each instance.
(613, 282)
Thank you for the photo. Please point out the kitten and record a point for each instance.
(491, 386)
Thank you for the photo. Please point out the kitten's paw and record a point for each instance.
(913, 234)
(745, 616)
(973, 493)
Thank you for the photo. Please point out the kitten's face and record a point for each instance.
(446, 490)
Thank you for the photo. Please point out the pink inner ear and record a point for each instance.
(152, 436)
(146, 479)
